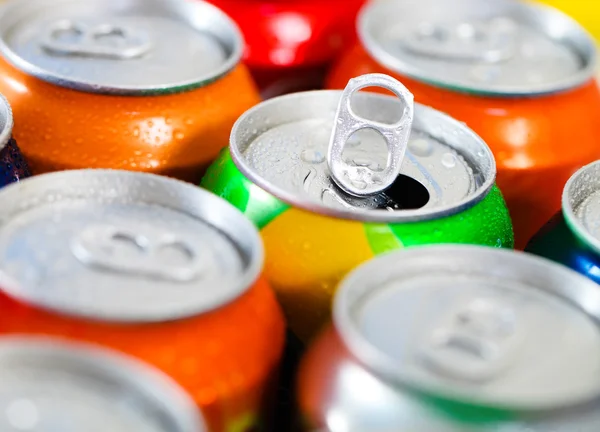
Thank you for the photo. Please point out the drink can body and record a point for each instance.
(310, 248)
(526, 132)
(207, 319)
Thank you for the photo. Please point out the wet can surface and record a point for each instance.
(151, 266)
(572, 236)
(290, 43)
(51, 384)
(13, 166)
(141, 86)
(316, 227)
(518, 73)
(457, 339)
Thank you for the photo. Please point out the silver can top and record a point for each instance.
(495, 47)
(120, 47)
(282, 145)
(54, 385)
(581, 204)
(6, 122)
(478, 325)
(123, 246)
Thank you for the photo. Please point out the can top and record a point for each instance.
(478, 325)
(49, 384)
(581, 204)
(493, 47)
(282, 146)
(123, 246)
(116, 47)
(6, 122)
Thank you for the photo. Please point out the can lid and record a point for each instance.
(494, 47)
(123, 246)
(478, 325)
(581, 204)
(283, 146)
(52, 385)
(116, 47)
(6, 122)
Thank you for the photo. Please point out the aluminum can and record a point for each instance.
(520, 74)
(49, 384)
(572, 236)
(457, 339)
(13, 166)
(277, 172)
(290, 43)
(142, 85)
(150, 266)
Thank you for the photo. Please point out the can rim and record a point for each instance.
(581, 294)
(61, 80)
(379, 216)
(588, 54)
(154, 384)
(6, 133)
(573, 222)
(210, 212)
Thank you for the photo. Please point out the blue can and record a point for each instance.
(13, 166)
(572, 237)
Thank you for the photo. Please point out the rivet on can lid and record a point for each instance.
(493, 47)
(123, 246)
(54, 385)
(362, 180)
(581, 204)
(109, 46)
(477, 325)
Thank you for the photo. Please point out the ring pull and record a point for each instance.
(109, 41)
(361, 180)
(482, 41)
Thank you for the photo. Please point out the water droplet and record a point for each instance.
(312, 156)
(421, 147)
(449, 160)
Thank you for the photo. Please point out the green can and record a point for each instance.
(278, 172)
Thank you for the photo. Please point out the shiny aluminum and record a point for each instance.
(457, 339)
(362, 180)
(495, 47)
(53, 385)
(116, 47)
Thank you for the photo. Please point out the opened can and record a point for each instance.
(456, 339)
(55, 385)
(334, 178)
(13, 166)
(572, 236)
(153, 267)
(519, 74)
(143, 85)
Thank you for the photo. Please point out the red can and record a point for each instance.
(290, 43)
(519, 74)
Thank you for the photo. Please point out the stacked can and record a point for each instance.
(291, 43)
(519, 74)
(150, 266)
(456, 339)
(395, 175)
(144, 85)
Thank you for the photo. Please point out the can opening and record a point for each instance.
(406, 193)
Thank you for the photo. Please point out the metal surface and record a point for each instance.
(78, 241)
(476, 325)
(581, 205)
(52, 385)
(496, 47)
(6, 122)
(281, 146)
(120, 47)
(360, 180)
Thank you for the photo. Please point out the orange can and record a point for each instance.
(519, 74)
(153, 267)
(142, 85)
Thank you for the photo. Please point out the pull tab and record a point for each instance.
(122, 250)
(479, 343)
(361, 180)
(116, 42)
(487, 41)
